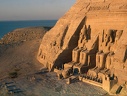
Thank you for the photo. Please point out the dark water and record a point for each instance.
(8, 26)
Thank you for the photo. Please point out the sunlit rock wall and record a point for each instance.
(57, 44)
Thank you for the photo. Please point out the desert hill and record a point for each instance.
(18, 49)
(24, 34)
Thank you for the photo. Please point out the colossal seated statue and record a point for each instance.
(83, 37)
(75, 58)
(110, 56)
(81, 55)
(104, 58)
(107, 67)
(102, 54)
(83, 61)
(81, 46)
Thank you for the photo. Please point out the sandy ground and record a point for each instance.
(33, 79)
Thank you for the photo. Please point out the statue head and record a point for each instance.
(83, 31)
(108, 38)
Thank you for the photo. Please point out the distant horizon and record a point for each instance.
(22, 10)
(9, 26)
(29, 20)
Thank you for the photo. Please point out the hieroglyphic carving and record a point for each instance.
(98, 7)
(123, 6)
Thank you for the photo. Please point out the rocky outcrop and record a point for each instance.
(104, 23)
(24, 34)
(18, 36)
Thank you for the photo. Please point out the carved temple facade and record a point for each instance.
(89, 40)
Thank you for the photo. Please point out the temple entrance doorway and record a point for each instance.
(75, 71)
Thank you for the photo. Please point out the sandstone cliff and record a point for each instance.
(97, 15)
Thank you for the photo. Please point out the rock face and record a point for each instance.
(94, 30)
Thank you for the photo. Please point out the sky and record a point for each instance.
(34, 9)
